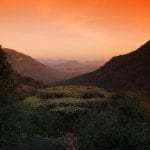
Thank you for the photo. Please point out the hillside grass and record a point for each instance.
(84, 92)
(68, 99)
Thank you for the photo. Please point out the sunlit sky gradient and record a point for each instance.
(74, 29)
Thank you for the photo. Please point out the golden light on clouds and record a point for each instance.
(94, 29)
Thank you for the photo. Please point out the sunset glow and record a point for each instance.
(74, 29)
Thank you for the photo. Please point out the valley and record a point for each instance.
(86, 112)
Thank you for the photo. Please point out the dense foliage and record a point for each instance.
(60, 118)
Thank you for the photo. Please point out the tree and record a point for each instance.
(7, 81)
(4, 65)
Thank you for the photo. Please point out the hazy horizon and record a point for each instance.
(74, 29)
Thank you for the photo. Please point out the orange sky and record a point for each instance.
(74, 29)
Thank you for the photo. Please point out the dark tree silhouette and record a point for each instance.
(4, 65)
(7, 80)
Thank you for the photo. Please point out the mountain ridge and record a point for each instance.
(27, 66)
(123, 72)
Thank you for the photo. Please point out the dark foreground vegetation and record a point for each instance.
(70, 117)
(73, 118)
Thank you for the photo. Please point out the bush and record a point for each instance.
(47, 95)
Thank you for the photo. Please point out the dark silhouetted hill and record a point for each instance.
(124, 72)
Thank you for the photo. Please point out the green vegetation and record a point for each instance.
(84, 118)
(73, 91)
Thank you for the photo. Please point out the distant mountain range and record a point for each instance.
(124, 72)
(47, 70)
(72, 67)
(27, 66)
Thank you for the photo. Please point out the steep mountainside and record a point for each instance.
(125, 72)
(27, 66)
